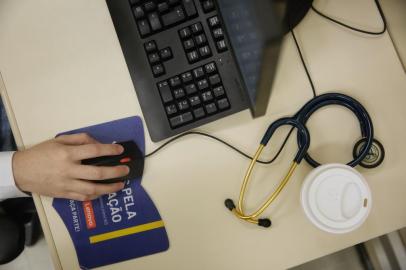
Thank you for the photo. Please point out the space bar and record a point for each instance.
(177, 15)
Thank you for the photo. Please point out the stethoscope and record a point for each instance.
(299, 121)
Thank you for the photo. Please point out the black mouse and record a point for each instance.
(131, 156)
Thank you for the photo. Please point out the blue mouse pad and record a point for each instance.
(118, 226)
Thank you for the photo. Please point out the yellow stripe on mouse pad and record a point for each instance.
(124, 232)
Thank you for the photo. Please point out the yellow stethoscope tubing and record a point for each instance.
(239, 211)
(305, 139)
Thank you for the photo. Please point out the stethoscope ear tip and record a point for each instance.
(229, 204)
(264, 222)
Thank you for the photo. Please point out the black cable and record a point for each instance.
(342, 24)
(354, 28)
(303, 63)
(223, 142)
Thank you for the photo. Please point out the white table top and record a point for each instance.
(63, 68)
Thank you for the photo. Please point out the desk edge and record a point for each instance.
(37, 199)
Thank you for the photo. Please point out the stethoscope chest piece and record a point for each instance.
(375, 156)
(336, 198)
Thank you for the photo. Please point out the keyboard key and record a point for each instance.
(208, 5)
(165, 91)
(150, 46)
(194, 101)
(171, 109)
(200, 39)
(215, 79)
(158, 70)
(163, 7)
(186, 77)
(221, 46)
(154, 21)
(188, 44)
(138, 13)
(174, 81)
(149, 6)
(202, 84)
(181, 119)
(218, 33)
(184, 33)
(143, 27)
(190, 88)
(198, 72)
(196, 44)
(223, 104)
(218, 91)
(179, 93)
(165, 53)
(175, 16)
(207, 96)
(193, 56)
(183, 105)
(196, 28)
(190, 8)
(153, 58)
(210, 68)
(199, 113)
(214, 21)
(211, 108)
(205, 51)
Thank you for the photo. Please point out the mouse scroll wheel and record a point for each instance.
(125, 160)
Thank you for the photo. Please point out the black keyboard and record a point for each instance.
(180, 61)
(193, 95)
(156, 16)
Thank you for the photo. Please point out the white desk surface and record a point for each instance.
(63, 68)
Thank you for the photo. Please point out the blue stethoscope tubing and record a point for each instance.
(300, 119)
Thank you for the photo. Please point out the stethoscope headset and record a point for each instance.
(298, 121)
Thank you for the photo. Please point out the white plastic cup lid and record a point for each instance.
(336, 198)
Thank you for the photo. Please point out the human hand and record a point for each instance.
(53, 168)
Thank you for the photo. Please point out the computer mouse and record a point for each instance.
(131, 156)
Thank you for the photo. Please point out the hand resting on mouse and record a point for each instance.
(53, 168)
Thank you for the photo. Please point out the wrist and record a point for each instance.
(17, 171)
(8, 186)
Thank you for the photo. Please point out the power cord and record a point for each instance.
(242, 153)
(352, 27)
(303, 63)
(378, 5)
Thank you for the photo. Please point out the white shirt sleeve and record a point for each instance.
(8, 188)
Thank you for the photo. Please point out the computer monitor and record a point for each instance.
(255, 32)
(255, 29)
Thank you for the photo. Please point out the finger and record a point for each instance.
(92, 189)
(95, 150)
(89, 172)
(76, 139)
(78, 196)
